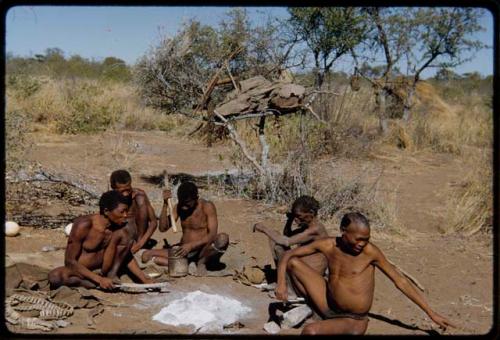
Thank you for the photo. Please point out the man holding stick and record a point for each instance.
(200, 242)
(346, 298)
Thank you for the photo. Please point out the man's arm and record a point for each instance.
(404, 285)
(144, 204)
(303, 237)
(74, 250)
(311, 248)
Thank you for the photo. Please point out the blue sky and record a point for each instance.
(128, 32)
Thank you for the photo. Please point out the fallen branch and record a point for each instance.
(410, 277)
(236, 138)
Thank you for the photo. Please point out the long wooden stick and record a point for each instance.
(170, 207)
(411, 278)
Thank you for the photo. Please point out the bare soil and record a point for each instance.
(457, 272)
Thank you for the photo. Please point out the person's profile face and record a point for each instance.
(118, 215)
(356, 237)
(124, 189)
(301, 217)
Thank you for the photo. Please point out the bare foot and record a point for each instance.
(201, 270)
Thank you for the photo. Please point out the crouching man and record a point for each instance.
(344, 300)
(200, 242)
(98, 241)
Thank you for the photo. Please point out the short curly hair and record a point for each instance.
(187, 191)
(110, 200)
(119, 177)
(355, 217)
(306, 204)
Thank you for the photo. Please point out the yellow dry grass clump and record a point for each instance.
(85, 106)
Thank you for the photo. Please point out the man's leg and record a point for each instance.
(63, 276)
(212, 252)
(159, 256)
(115, 253)
(336, 326)
(317, 262)
(313, 283)
(277, 251)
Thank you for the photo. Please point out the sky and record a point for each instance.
(129, 32)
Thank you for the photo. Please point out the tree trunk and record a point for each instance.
(408, 103)
(210, 123)
(381, 110)
(263, 143)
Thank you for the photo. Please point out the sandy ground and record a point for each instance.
(457, 272)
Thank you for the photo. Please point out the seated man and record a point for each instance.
(98, 241)
(200, 241)
(142, 221)
(304, 212)
(345, 299)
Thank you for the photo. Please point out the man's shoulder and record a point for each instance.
(85, 221)
(372, 250)
(139, 192)
(206, 203)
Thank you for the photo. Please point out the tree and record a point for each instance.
(329, 33)
(443, 39)
(422, 38)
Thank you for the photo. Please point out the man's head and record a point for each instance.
(304, 209)
(187, 194)
(355, 230)
(114, 206)
(121, 181)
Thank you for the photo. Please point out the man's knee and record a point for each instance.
(221, 241)
(55, 277)
(122, 238)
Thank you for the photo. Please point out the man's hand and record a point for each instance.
(106, 283)
(183, 250)
(281, 292)
(441, 321)
(167, 194)
(136, 247)
(258, 227)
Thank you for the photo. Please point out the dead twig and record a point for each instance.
(410, 277)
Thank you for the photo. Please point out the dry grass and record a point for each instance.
(84, 106)
(470, 207)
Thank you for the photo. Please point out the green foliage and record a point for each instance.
(86, 114)
(23, 86)
(55, 65)
(329, 32)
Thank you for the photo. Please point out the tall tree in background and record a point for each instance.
(415, 39)
(443, 40)
(329, 33)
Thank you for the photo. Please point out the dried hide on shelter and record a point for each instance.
(257, 94)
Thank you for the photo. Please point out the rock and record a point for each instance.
(211, 328)
(295, 316)
(67, 229)
(272, 327)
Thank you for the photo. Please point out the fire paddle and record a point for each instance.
(170, 206)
